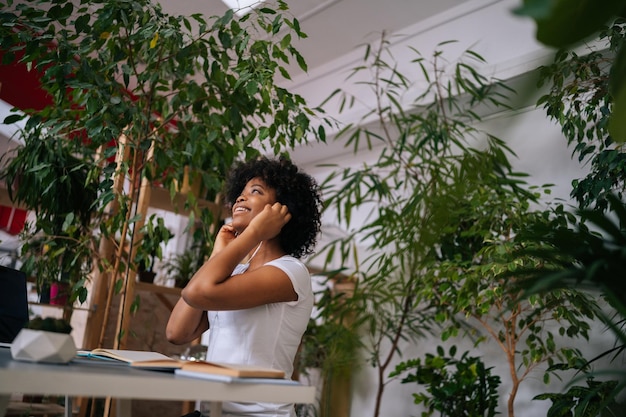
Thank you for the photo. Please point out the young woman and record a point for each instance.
(253, 293)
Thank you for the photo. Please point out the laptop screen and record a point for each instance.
(13, 303)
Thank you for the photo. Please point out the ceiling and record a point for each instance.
(334, 27)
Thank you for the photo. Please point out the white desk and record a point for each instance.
(125, 383)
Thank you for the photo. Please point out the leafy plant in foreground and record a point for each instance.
(143, 97)
(461, 387)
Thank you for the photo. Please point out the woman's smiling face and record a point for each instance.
(252, 200)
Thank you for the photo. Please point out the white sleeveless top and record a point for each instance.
(267, 335)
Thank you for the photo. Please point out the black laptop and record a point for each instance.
(13, 303)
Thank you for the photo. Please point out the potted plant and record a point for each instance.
(44, 340)
(183, 265)
(149, 97)
(47, 176)
(460, 387)
(154, 235)
(436, 252)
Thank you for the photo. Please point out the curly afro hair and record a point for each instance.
(295, 189)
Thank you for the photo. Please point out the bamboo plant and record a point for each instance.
(442, 205)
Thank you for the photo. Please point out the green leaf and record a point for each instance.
(537, 9)
(286, 41)
(284, 73)
(571, 21)
(118, 286)
(82, 24)
(301, 62)
(252, 88)
(12, 118)
(134, 307)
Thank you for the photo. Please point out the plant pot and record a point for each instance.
(44, 293)
(146, 276)
(59, 293)
(42, 346)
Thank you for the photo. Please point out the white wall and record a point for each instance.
(508, 45)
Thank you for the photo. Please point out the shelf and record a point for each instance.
(33, 303)
(158, 289)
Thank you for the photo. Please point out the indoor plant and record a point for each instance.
(142, 96)
(585, 96)
(154, 236)
(443, 206)
(47, 176)
(454, 387)
(566, 24)
(44, 340)
(183, 265)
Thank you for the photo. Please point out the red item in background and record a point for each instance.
(12, 220)
(20, 87)
(59, 293)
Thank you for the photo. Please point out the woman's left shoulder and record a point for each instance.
(290, 263)
(287, 260)
(299, 275)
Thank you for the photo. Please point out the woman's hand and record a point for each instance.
(268, 223)
(225, 236)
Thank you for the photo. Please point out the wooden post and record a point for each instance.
(336, 398)
(102, 281)
(124, 316)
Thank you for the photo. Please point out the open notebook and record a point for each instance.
(159, 361)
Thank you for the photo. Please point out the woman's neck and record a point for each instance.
(253, 253)
(266, 251)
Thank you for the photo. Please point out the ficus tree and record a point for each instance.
(585, 95)
(580, 100)
(141, 98)
(475, 282)
(424, 145)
